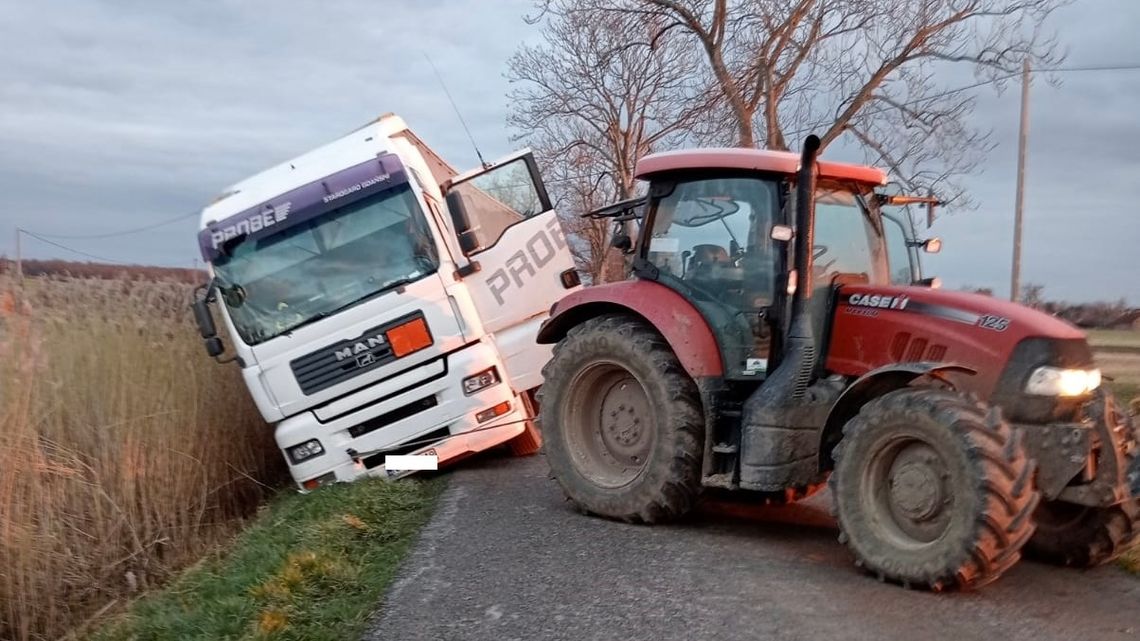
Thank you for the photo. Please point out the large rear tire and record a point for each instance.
(933, 490)
(1082, 537)
(622, 422)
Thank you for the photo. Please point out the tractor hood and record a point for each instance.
(875, 326)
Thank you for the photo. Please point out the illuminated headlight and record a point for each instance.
(305, 451)
(484, 379)
(1056, 381)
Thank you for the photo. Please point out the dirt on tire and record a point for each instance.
(985, 497)
(667, 483)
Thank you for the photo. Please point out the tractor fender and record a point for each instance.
(872, 385)
(663, 309)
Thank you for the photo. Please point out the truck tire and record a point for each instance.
(1083, 537)
(530, 441)
(933, 490)
(622, 421)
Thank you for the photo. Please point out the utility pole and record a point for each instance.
(19, 259)
(1019, 205)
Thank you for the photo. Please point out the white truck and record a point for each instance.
(379, 303)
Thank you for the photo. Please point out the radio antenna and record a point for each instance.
(457, 113)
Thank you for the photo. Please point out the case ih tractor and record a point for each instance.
(764, 352)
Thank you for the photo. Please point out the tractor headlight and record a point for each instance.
(1057, 381)
(305, 451)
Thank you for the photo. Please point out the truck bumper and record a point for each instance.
(427, 410)
(1094, 462)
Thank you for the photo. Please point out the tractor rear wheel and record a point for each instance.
(933, 489)
(1081, 536)
(622, 422)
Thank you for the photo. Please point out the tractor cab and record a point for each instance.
(716, 230)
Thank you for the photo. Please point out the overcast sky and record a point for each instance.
(116, 114)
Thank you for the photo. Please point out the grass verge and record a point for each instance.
(311, 567)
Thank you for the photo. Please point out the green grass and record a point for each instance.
(311, 567)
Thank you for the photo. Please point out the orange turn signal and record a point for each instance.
(490, 413)
(409, 337)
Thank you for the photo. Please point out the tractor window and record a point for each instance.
(846, 241)
(898, 251)
(710, 240)
(714, 236)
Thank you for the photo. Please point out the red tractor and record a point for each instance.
(765, 344)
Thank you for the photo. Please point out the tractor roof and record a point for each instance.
(780, 162)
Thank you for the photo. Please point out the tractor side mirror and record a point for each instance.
(932, 245)
(782, 233)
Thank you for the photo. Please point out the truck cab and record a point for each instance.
(378, 302)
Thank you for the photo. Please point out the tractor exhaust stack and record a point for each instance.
(770, 459)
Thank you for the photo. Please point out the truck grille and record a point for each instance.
(341, 361)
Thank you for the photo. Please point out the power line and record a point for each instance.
(113, 234)
(69, 249)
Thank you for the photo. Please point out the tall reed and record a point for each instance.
(125, 453)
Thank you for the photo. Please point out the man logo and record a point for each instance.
(364, 360)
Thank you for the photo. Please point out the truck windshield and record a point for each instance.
(273, 284)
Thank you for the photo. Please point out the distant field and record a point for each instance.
(1114, 339)
(1118, 354)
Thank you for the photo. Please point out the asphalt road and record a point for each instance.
(505, 557)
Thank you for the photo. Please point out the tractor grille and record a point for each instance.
(908, 348)
(341, 361)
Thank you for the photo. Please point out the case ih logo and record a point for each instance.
(362, 350)
(878, 301)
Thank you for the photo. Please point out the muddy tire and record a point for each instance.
(933, 490)
(622, 422)
(1081, 536)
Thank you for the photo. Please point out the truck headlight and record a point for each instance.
(305, 451)
(482, 380)
(1058, 381)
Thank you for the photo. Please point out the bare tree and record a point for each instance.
(600, 92)
(865, 68)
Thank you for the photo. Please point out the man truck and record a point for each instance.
(380, 303)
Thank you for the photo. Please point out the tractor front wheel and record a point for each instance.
(932, 489)
(622, 422)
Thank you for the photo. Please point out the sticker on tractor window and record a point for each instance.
(996, 323)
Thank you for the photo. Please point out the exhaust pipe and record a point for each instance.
(781, 423)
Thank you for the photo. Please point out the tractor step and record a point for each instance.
(725, 448)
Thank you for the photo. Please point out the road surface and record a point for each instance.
(505, 557)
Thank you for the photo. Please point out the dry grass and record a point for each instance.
(125, 452)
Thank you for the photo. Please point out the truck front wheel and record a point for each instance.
(622, 422)
(932, 489)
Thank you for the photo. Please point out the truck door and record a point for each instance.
(518, 262)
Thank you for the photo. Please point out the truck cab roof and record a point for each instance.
(360, 145)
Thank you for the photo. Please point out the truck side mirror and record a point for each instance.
(468, 240)
(204, 319)
(214, 346)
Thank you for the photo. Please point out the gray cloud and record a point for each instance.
(115, 114)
